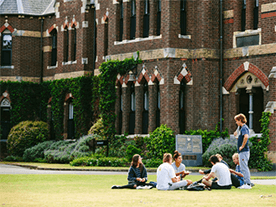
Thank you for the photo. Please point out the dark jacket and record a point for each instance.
(132, 175)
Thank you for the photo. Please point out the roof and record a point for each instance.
(27, 7)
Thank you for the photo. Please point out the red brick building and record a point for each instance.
(203, 61)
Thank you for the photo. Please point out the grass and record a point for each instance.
(94, 190)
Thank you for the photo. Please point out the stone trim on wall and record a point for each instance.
(246, 66)
(184, 73)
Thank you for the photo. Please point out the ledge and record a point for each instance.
(7, 67)
(137, 40)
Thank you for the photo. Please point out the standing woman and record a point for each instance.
(243, 148)
(177, 165)
(137, 174)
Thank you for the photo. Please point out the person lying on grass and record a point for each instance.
(137, 175)
(178, 166)
(221, 171)
(166, 178)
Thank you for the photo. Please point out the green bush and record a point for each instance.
(208, 136)
(258, 158)
(37, 151)
(99, 161)
(12, 158)
(152, 162)
(161, 140)
(118, 146)
(226, 147)
(64, 151)
(98, 128)
(132, 150)
(26, 134)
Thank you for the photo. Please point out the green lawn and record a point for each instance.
(94, 190)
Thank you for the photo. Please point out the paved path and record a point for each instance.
(11, 169)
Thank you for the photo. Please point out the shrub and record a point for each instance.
(132, 150)
(37, 151)
(161, 140)
(99, 161)
(64, 152)
(258, 158)
(226, 147)
(26, 134)
(208, 136)
(152, 162)
(98, 128)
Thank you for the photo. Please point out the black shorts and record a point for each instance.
(215, 185)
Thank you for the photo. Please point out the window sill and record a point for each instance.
(69, 63)
(7, 67)
(52, 66)
(246, 33)
(180, 36)
(137, 40)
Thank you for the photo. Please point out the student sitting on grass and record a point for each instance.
(177, 165)
(238, 174)
(220, 171)
(166, 178)
(137, 175)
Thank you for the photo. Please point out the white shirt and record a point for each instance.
(165, 173)
(223, 174)
(178, 169)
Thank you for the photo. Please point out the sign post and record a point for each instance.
(190, 146)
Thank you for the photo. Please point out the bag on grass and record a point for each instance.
(196, 187)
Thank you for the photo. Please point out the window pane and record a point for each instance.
(7, 41)
(71, 111)
(6, 58)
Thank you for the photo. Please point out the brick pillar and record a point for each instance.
(127, 14)
(153, 16)
(139, 18)
(271, 106)
(126, 108)
(139, 108)
(152, 106)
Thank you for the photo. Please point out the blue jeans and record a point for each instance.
(244, 158)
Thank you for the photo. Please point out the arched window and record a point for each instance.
(132, 109)
(158, 106)
(74, 43)
(5, 118)
(158, 20)
(121, 112)
(256, 15)
(54, 48)
(145, 124)
(121, 21)
(251, 99)
(106, 38)
(146, 18)
(133, 20)
(183, 20)
(66, 44)
(6, 54)
(182, 106)
(243, 15)
(71, 124)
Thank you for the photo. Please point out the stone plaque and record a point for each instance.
(190, 146)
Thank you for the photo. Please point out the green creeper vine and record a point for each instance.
(84, 98)
(109, 71)
(258, 159)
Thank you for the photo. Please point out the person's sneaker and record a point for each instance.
(114, 187)
(252, 184)
(245, 186)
